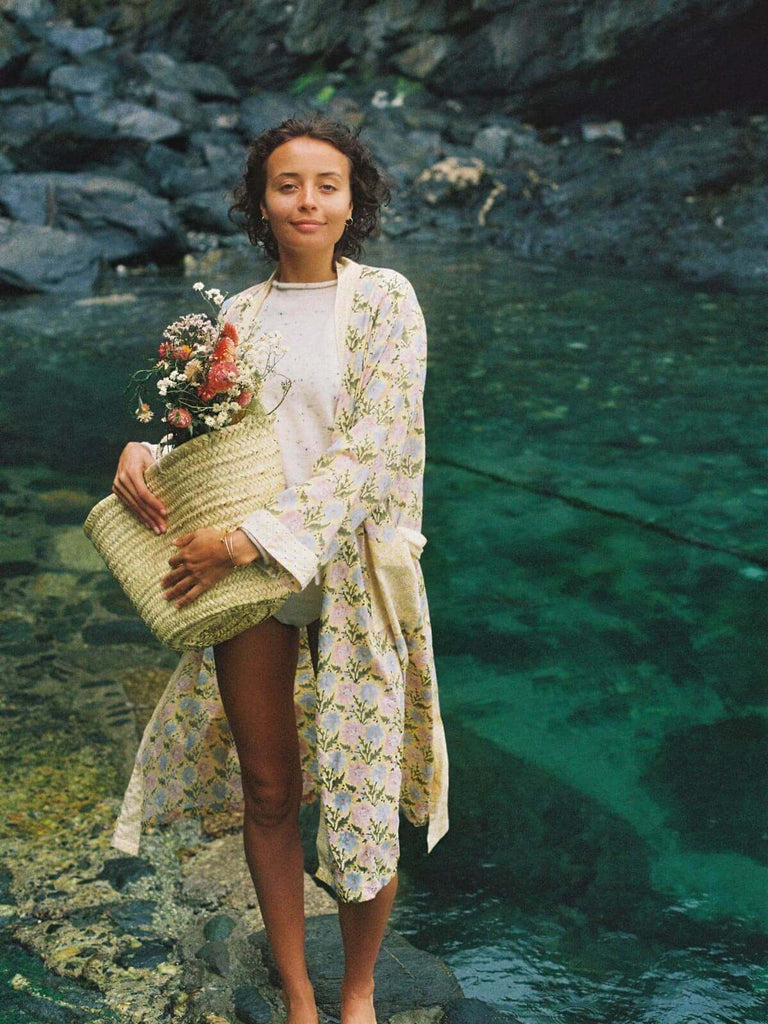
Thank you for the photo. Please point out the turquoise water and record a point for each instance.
(595, 508)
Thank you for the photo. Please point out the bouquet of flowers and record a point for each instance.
(221, 461)
(206, 375)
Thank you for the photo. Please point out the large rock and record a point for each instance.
(406, 977)
(133, 121)
(44, 259)
(550, 60)
(266, 109)
(96, 78)
(23, 120)
(121, 218)
(207, 211)
(206, 81)
(14, 51)
(77, 42)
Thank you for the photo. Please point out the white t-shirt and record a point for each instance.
(303, 314)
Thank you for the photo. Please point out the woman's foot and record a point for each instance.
(301, 1007)
(357, 1004)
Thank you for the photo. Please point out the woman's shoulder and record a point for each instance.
(389, 281)
(233, 303)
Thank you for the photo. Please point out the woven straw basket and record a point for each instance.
(210, 480)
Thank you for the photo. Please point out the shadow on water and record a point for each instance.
(595, 505)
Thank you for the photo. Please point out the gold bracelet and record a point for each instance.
(225, 540)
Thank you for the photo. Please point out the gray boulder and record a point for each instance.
(406, 977)
(265, 109)
(13, 51)
(21, 122)
(82, 78)
(44, 259)
(206, 81)
(28, 10)
(133, 121)
(77, 42)
(206, 211)
(121, 218)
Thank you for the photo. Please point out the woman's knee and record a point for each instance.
(271, 802)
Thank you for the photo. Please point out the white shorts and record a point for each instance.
(302, 607)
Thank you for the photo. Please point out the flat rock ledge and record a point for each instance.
(176, 935)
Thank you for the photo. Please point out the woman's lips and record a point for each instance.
(307, 227)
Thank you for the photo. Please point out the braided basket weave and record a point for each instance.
(210, 480)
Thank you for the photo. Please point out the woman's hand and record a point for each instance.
(201, 561)
(130, 488)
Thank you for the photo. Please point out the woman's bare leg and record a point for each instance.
(256, 671)
(362, 929)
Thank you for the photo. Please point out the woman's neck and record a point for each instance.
(305, 270)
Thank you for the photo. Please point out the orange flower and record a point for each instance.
(182, 352)
(224, 351)
(229, 331)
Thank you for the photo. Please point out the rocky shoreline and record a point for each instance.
(174, 934)
(117, 152)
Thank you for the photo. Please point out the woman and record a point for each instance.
(334, 697)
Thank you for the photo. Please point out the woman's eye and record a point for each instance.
(284, 187)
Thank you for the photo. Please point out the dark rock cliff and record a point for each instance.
(621, 132)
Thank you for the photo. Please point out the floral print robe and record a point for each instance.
(370, 732)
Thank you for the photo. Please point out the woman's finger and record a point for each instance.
(149, 504)
(171, 578)
(190, 595)
(181, 587)
(119, 490)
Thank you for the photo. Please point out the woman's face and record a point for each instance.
(307, 180)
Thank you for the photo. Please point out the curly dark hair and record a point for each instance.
(370, 187)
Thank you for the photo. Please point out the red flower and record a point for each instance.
(179, 418)
(244, 398)
(221, 377)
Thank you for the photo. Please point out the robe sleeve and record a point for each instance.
(356, 473)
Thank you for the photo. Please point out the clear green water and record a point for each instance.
(595, 508)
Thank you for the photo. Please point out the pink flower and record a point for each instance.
(351, 732)
(336, 574)
(343, 651)
(179, 418)
(362, 814)
(357, 773)
(244, 398)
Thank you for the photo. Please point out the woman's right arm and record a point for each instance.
(130, 488)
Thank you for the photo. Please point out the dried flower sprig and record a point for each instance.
(207, 375)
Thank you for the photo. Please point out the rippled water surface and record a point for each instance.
(596, 501)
